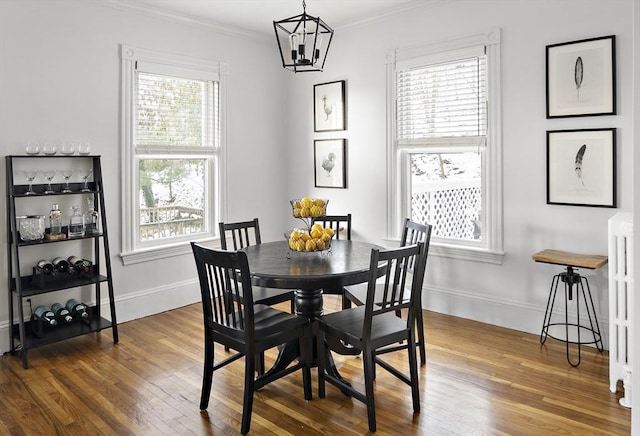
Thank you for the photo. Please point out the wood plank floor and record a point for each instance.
(479, 380)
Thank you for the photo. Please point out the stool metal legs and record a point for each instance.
(571, 278)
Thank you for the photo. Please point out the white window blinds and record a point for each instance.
(175, 111)
(440, 101)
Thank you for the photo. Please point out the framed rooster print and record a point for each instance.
(329, 107)
(581, 167)
(581, 78)
(330, 164)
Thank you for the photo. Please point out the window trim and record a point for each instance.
(397, 185)
(129, 55)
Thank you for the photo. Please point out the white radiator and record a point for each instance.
(620, 302)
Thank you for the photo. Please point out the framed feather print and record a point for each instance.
(581, 167)
(581, 78)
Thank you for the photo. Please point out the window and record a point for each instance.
(444, 153)
(171, 152)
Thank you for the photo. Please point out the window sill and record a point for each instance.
(160, 252)
(466, 253)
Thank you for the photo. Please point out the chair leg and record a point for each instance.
(420, 327)
(207, 377)
(321, 349)
(413, 373)
(249, 388)
(260, 363)
(369, 375)
(306, 355)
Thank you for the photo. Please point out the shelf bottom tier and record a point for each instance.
(60, 332)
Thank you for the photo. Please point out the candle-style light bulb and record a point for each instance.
(293, 42)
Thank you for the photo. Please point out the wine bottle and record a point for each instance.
(45, 267)
(79, 265)
(60, 264)
(43, 313)
(61, 312)
(77, 309)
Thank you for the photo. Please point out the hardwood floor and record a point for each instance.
(479, 380)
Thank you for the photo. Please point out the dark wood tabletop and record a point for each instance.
(273, 265)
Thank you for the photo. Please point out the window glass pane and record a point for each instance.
(172, 111)
(172, 197)
(446, 192)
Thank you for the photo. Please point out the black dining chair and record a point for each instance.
(373, 326)
(412, 233)
(247, 328)
(243, 234)
(341, 225)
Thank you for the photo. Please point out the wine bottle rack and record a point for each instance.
(25, 333)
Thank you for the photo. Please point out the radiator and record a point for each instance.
(620, 302)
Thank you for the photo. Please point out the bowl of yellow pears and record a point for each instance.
(307, 207)
(317, 238)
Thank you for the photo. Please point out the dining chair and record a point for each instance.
(412, 233)
(340, 224)
(243, 326)
(243, 234)
(373, 326)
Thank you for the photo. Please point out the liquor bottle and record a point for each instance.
(77, 309)
(91, 218)
(79, 265)
(61, 312)
(43, 313)
(76, 223)
(55, 220)
(61, 265)
(45, 267)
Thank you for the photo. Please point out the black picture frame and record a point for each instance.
(330, 163)
(329, 106)
(581, 167)
(581, 78)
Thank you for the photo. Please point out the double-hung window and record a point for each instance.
(445, 148)
(171, 152)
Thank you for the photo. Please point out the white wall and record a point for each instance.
(59, 80)
(515, 293)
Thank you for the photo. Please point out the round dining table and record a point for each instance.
(274, 265)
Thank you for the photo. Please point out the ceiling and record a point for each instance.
(257, 16)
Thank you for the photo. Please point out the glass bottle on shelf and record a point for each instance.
(45, 315)
(91, 218)
(55, 220)
(61, 312)
(76, 223)
(77, 309)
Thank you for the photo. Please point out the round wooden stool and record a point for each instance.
(571, 278)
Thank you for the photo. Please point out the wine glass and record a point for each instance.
(84, 148)
(49, 175)
(67, 148)
(30, 175)
(32, 148)
(67, 173)
(49, 148)
(85, 178)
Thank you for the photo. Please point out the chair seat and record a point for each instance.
(348, 324)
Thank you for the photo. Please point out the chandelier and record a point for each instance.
(303, 41)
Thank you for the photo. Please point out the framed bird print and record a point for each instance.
(581, 167)
(330, 165)
(329, 107)
(581, 78)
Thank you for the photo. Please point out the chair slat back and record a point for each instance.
(242, 234)
(413, 233)
(336, 222)
(392, 297)
(222, 275)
